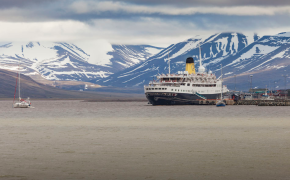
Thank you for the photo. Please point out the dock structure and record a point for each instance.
(277, 102)
(212, 101)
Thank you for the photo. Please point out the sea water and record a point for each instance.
(135, 140)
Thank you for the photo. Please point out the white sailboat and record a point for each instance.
(221, 103)
(21, 103)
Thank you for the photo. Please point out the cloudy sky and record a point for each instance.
(156, 22)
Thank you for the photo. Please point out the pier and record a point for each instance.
(277, 102)
(257, 102)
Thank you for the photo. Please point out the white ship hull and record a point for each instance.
(180, 98)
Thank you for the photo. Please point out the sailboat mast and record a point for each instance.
(19, 80)
(222, 81)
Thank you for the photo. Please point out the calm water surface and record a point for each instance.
(88, 110)
(134, 140)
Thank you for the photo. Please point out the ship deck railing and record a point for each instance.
(174, 83)
(181, 75)
(154, 85)
(159, 82)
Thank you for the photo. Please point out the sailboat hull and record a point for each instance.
(21, 105)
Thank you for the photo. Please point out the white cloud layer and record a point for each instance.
(146, 31)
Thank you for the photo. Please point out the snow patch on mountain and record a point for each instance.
(258, 49)
(212, 38)
(188, 46)
(278, 55)
(31, 51)
(152, 51)
(221, 45)
(234, 42)
(228, 73)
(38, 52)
(11, 49)
(284, 34)
(98, 51)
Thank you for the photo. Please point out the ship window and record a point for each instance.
(165, 88)
(171, 89)
(156, 88)
(159, 88)
(162, 88)
(188, 84)
(149, 88)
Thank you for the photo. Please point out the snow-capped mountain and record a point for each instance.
(240, 55)
(267, 58)
(217, 47)
(66, 61)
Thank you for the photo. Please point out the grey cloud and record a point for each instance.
(210, 2)
(23, 3)
(54, 10)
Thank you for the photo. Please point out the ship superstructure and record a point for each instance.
(185, 87)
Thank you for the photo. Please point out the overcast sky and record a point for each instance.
(156, 22)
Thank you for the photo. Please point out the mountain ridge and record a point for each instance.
(65, 61)
(136, 65)
(239, 54)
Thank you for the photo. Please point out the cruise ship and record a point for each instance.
(186, 87)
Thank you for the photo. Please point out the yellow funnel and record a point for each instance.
(190, 66)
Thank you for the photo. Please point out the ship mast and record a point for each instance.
(168, 62)
(199, 55)
(201, 69)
